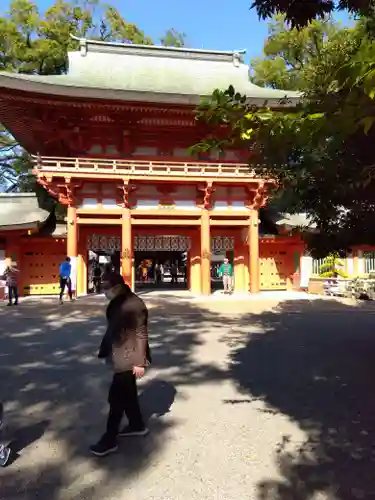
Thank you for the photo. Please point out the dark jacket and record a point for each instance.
(126, 337)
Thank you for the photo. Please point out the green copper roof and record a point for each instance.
(20, 211)
(147, 73)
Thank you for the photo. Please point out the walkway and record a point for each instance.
(254, 400)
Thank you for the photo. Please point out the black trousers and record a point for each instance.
(13, 292)
(123, 398)
(65, 282)
(97, 282)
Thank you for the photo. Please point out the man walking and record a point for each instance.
(11, 275)
(226, 272)
(65, 279)
(125, 347)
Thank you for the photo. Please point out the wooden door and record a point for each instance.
(276, 266)
(40, 264)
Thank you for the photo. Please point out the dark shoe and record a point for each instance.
(16, 303)
(9, 304)
(130, 431)
(103, 447)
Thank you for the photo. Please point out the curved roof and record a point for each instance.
(20, 211)
(148, 73)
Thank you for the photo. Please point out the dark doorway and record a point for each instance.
(98, 261)
(160, 270)
(217, 260)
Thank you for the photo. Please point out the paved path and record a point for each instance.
(247, 400)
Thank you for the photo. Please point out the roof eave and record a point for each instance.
(16, 227)
(52, 89)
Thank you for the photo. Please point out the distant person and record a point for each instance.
(174, 274)
(65, 279)
(11, 275)
(157, 273)
(125, 347)
(226, 273)
(97, 278)
(144, 269)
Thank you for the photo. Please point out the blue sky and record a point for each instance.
(208, 24)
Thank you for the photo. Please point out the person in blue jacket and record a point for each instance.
(65, 279)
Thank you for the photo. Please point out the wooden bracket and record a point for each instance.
(208, 191)
(64, 193)
(258, 196)
(126, 189)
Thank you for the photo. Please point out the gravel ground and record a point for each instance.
(259, 400)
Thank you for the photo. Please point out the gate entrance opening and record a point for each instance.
(98, 261)
(161, 270)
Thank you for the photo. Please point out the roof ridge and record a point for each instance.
(157, 48)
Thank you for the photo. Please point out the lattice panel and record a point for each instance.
(275, 267)
(103, 242)
(222, 243)
(161, 243)
(40, 272)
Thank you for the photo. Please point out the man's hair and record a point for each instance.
(115, 279)
(67, 259)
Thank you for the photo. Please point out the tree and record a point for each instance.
(332, 264)
(300, 12)
(289, 55)
(173, 38)
(36, 43)
(321, 152)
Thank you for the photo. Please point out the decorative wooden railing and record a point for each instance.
(141, 167)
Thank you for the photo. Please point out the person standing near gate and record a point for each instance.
(65, 279)
(11, 275)
(125, 348)
(226, 273)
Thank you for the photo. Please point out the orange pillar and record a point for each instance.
(253, 242)
(240, 283)
(126, 248)
(82, 268)
(72, 243)
(205, 253)
(72, 246)
(195, 264)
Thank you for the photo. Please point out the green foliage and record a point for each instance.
(321, 152)
(37, 43)
(301, 12)
(332, 264)
(173, 38)
(291, 56)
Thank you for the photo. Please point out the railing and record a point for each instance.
(141, 167)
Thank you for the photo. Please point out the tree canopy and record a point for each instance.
(320, 152)
(37, 42)
(290, 56)
(301, 12)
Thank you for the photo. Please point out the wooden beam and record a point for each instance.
(99, 211)
(144, 178)
(100, 222)
(174, 212)
(165, 222)
(229, 222)
(157, 212)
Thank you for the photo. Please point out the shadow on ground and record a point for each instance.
(55, 391)
(315, 363)
(311, 361)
